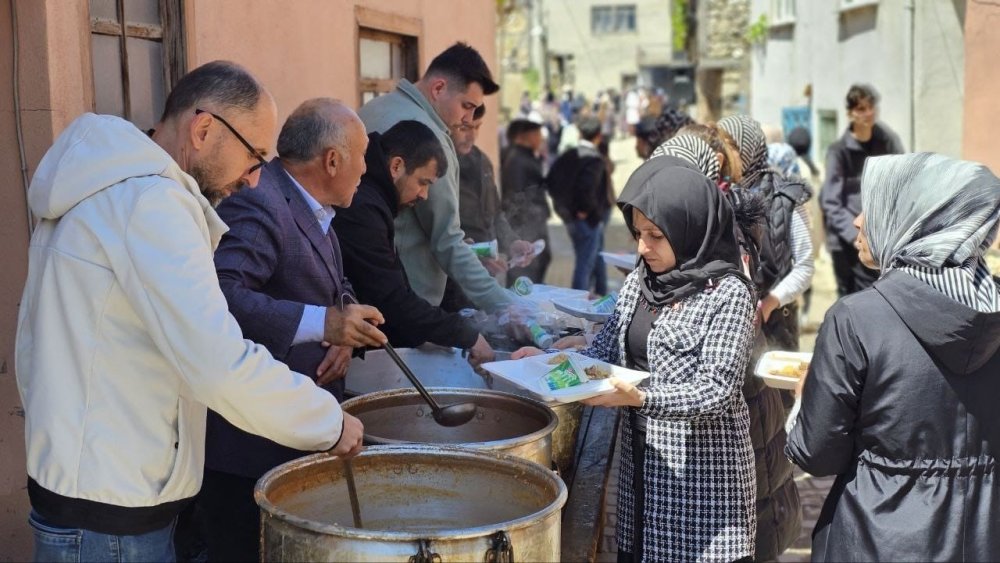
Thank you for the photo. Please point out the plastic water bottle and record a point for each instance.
(539, 336)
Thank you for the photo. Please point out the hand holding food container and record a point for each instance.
(566, 377)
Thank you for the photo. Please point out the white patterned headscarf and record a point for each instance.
(751, 143)
(693, 150)
(933, 217)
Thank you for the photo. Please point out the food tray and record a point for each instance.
(530, 372)
(777, 360)
(620, 259)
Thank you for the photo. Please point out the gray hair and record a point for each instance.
(928, 210)
(316, 125)
(223, 84)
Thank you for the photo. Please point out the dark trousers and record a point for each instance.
(230, 517)
(588, 242)
(638, 423)
(852, 276)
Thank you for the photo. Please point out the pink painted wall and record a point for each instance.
(54, 84)
(308, 48)
(982, 82)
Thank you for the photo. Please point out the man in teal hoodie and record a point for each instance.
(429, 237)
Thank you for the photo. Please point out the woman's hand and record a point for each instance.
(767, 306)
(525, 352)
(625, 395)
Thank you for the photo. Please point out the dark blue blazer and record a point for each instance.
(274, 260)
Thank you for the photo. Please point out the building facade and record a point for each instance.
(982, 81)
(723, 60)
(594, 45)
(120, 56)
(911, 52)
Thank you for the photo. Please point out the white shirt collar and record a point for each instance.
(324, 213)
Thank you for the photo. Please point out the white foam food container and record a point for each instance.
(774, 361)
(530, 373)
(585, 308)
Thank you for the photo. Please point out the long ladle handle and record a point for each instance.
(411, 376)
(399, 362)
(352, 492)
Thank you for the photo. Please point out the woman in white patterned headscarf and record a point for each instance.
(900, 400)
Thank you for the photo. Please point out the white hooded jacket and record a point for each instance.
(124, 336)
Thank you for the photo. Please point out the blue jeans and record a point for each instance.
(588, 242)
(64, 545)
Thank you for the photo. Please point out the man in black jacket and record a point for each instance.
(840, 198)
(402, 163)
(523, 196)
(580, 186)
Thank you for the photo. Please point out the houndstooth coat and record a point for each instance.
(699, 464)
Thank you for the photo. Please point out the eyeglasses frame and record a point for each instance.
(261, 160)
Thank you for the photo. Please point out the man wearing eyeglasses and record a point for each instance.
(429, 237)
(124, 336)
(282, 272)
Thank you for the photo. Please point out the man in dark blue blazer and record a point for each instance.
(281, 271)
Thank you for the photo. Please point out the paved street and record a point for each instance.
(812, 490)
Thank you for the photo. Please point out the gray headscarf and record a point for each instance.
(693, 150)
(933, 217)
(752, 144)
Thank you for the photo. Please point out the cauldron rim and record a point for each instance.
(462, 394)
(528, 520)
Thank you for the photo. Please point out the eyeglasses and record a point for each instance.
(260, 159)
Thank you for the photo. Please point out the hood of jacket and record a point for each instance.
(960, 338)
(96, 152)
(377, 173)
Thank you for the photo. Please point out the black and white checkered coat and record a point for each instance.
(699, 465)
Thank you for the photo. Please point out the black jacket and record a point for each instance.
(578, 183)
(366, 232)
(901, 404)
(479, 201)
(840, 197)
(523, 195)
(779, 511)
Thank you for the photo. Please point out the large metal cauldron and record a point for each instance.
(418, 504)
(504, 422)
(444, 367)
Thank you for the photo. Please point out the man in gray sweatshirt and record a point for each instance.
(429, 237)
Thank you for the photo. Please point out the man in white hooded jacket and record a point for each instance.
(124, 336)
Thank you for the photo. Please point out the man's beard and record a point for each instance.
(209, 184)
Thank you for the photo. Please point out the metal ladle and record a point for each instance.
(449, 415)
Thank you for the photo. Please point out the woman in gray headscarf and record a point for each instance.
(900, 401)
